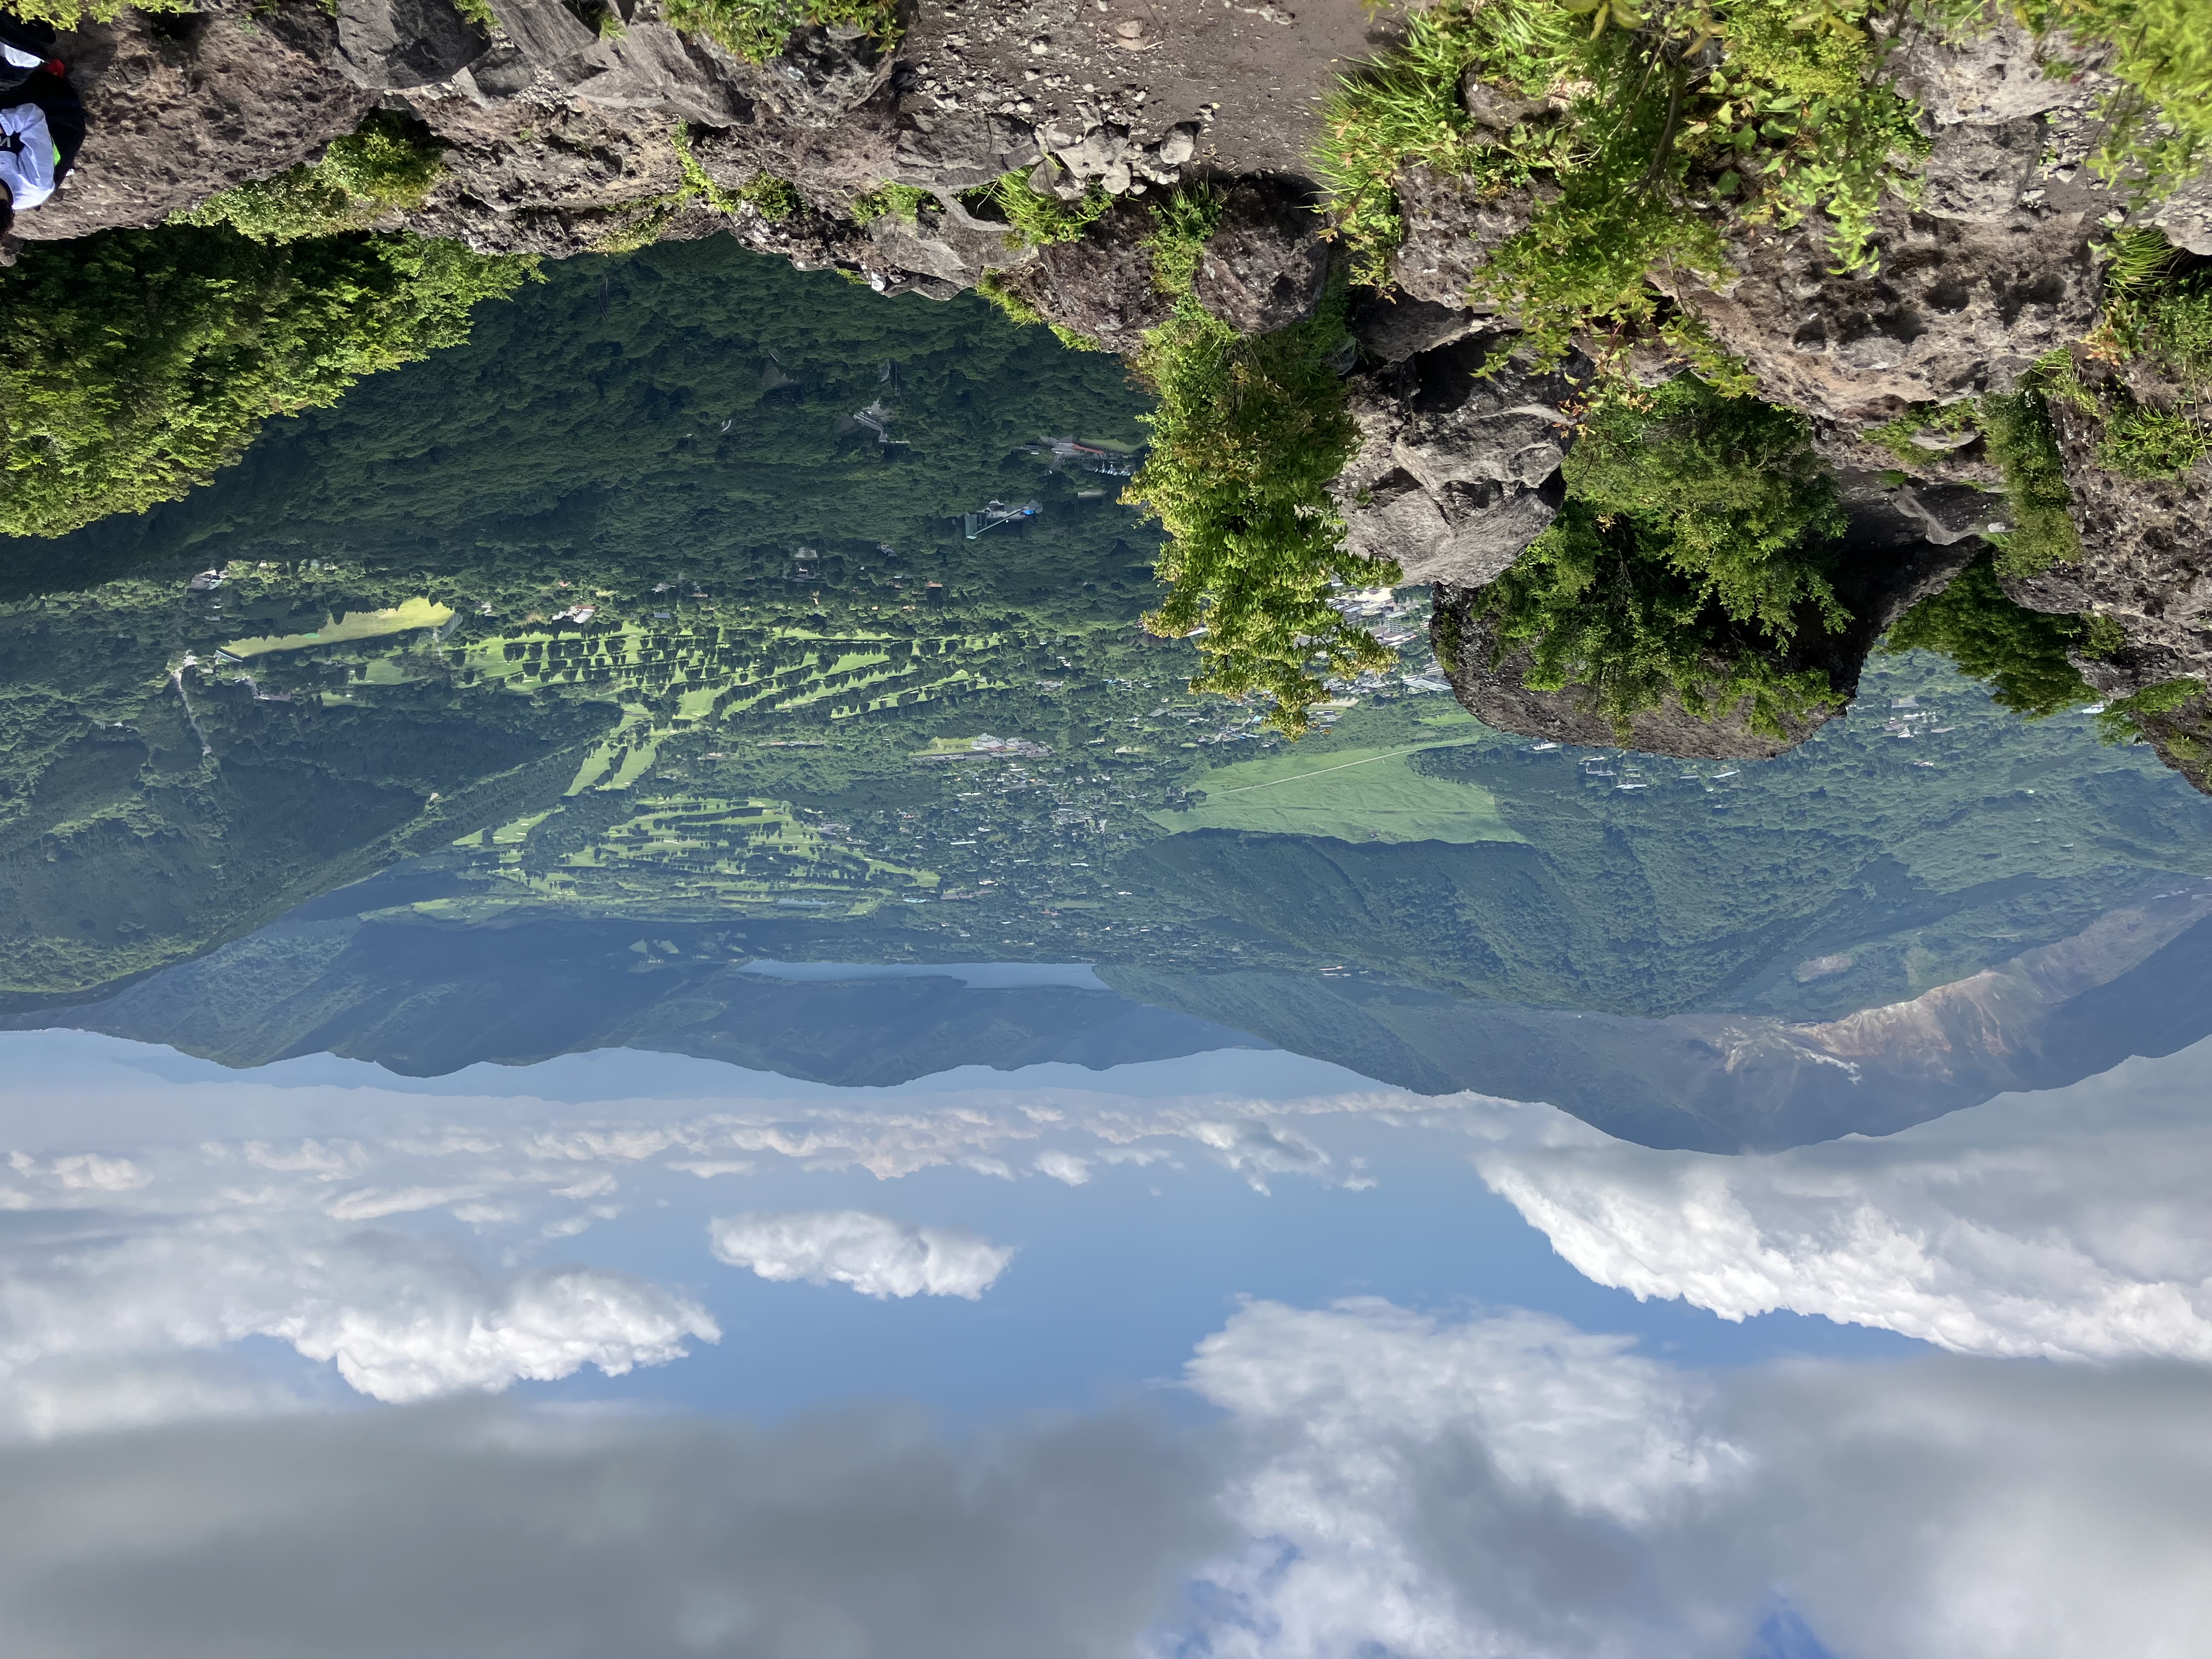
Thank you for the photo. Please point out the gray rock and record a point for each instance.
(1464, 533)
(1450, 227)
(500, 74)
(1457, 468)
(1976, 172)
(1265, 265)
(1102, 286)
(172, 120)
(959, 150)
(1390, 331)
(1493, 107)
(1951, 512)
(823, 75)
(390, 45)
(545, 32)
(1180, 144)
(1956, 309)
(944, 243)
(650, 66)
(1985, 76)
(2185, 216)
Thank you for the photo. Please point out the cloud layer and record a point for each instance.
(2065, 1225)
(878, 1255)
(1506, 1485)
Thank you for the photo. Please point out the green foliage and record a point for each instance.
(68, 13)
(756, 29)
(386, 166)
(1036, 217)
(2121, 719)
(2143, 443)
(1693, 545)
(772, 198)
(1651, 145)
(1247, 436)
(140, 361)
(2023, 442)
(902, 202)
(2019, 653)
(479, 12)
(1182, 222)
(1726, 490)
(1404, 109)
(2158, 130)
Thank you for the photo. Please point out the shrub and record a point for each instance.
(386, 166)
(2121, 721)
(756, 29)
(1695, 543)
(142, 361)
(1726, 490)
(1247, 436)
(1650, 142)
(1036, 217)
(2158, 130)
(1182, 222)
(2021, 654)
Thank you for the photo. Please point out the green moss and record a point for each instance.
(902, 202)
(995, 286)
(2021, 654)
(772, 198)
(1695, 543)
(1896, 436)
(68, 13)
(2024, 443)
(386, 166)
(756, 29)
(142, 361)
(1246, 437)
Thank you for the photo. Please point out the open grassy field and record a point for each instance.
(1352, 794)
(403, 617)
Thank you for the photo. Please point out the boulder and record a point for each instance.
(1457, 470)
(1266, 264)
(1101, 286)
(1982, 76)
(392, 45)
(823, 75)
(1955, 309)
(544, 33)
(1450, 228)
(1977, 172)
(200, 104)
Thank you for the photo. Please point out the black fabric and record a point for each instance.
(65, 113)
(24, 36)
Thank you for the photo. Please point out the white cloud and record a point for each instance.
(1256, 1150)
(876, 1255)
(1064, 1166)
(2063, 1225)
(1506, 1485)
(401, 1319)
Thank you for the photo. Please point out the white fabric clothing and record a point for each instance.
(27, 155)
(19, 58)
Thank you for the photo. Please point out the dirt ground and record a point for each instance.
(1252, 75)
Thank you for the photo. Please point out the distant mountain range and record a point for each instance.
(422, 996)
